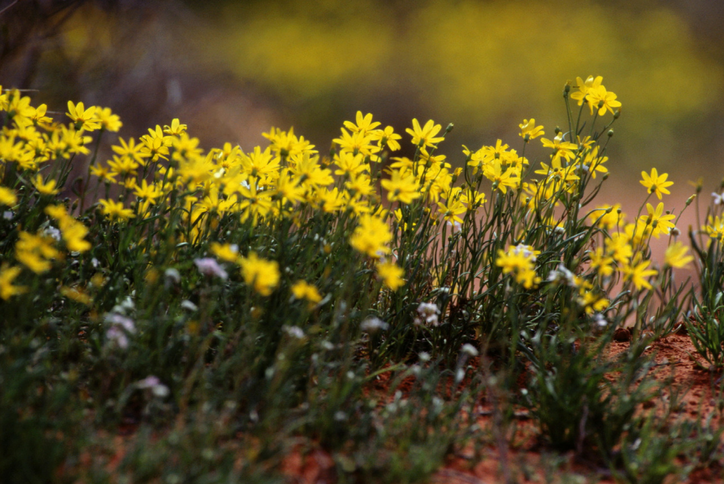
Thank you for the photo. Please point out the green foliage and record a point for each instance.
(249, 300)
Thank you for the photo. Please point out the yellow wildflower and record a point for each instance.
(7, 276)
(7, 197)
(35, 252)
(602, 262)
(225, 252)
(585, 87)
(520, 260)
(108, 120)
(659, 222)
(638, 273)
(391, 275)
(357, 142)
(501, 179)
(130, 150)
(676, 255)
(529, 131)
(175, 129)
(402, 186)
(303, 290)
(424, 136)
(386, 138)
(103, 173)
(115, 210)
(364, 123)
(43, 187)
(262, 275)
(76, 294)
(608, 220)
(84, 119)
(656, 183)
(452, 210)
(371, 236)
(714, 227)
(563, 149)
(149, 192)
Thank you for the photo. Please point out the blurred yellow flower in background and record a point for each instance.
(262, 275)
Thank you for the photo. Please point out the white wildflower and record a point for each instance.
(373, 324)
(469, 349)
(117, 336)
(171, 277)
(427, 314)
(154, 384)
(562, 274)
(294, 331)
(209, 267)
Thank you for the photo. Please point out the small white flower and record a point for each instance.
(154, 384)
(526, 251)
(718, 198)
(209, 267)
(294, 331)
(148, 382)
(51, 231)
(427, 313)
(456, 226)
(424, 356)
(117, 336)
(186, 304)
(600, 320)
(469, 349)
(373, 324)
(125, 307)
(8, 215)
(172, 277)
(119, 320)
(327, 345)
(562, 274)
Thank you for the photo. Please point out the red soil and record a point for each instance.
(528, 460)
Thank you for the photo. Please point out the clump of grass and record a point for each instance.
(256, 296)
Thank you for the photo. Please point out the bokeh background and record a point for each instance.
(231, 69)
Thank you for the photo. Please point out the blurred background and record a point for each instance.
(231, 69)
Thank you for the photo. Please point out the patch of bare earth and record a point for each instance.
(528, 461)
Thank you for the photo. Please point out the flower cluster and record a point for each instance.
(162, 194)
